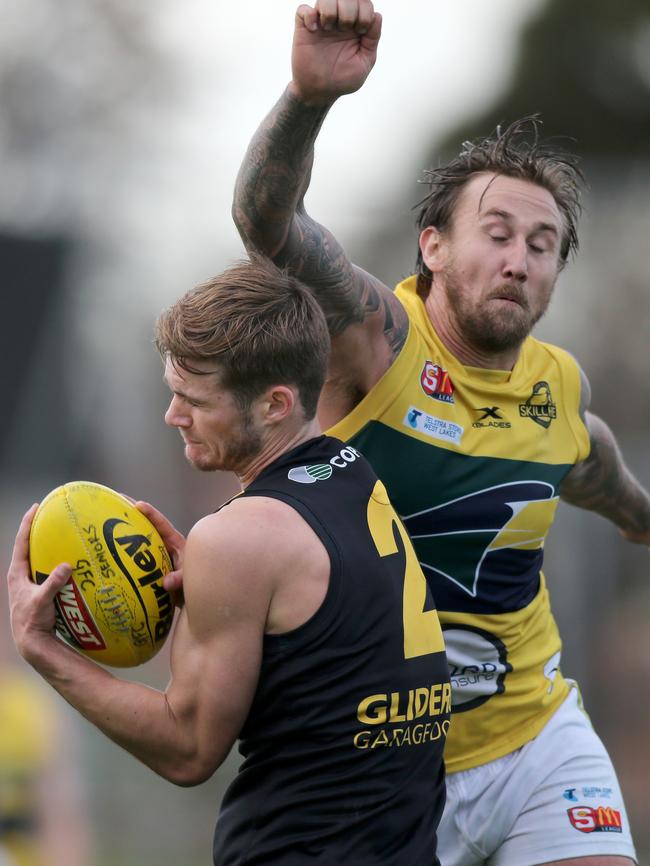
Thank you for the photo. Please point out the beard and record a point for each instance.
(492, 327)
(244, 445)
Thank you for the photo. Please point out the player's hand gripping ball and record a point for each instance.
(114, 608)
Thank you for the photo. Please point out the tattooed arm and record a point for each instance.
(603, 483)
(332, 55)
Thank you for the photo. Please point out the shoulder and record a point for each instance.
(568, 368)
(552, 352)
(246, 550)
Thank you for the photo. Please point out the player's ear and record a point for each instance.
(278, 402)
(433, 246)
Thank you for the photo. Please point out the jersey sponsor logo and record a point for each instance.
(413, 735)
(409, 715)
(591, 792)
(539, 407)
(435, 428)
(310, 474)
(491, 417)
(436, 383)
(597, 819)
(499, 530)
(478, 665)
(396, 707)
(323, 471)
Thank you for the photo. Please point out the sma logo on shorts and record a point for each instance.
(602, 819)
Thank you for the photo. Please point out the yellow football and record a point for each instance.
(114, 608)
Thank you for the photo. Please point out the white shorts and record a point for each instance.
(557, 797)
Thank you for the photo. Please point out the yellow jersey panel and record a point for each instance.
(472, 460)
(25, 747)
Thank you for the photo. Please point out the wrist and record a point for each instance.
(310, 98)
(39, 649)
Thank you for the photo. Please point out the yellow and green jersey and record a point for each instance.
(472, 460)
(25, 748)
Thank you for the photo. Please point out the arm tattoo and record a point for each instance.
(604, 484)
(274, 175)
(269, 212)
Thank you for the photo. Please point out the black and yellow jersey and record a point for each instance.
(26, 725)
(344, 740)
(472, 460)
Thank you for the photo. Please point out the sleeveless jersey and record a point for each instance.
(25, 744)
(343, 743)
(472, 460)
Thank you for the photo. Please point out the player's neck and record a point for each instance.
(279, 442)
(466, 352)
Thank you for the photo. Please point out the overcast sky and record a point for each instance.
(438, 62)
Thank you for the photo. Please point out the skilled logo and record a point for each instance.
(323, 471)
(436, 382)
(599, 819)
(539, 407)
(435, 428)
(491, 417)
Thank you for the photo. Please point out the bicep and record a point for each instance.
(587, 478)
(347, 294)
(216, 654)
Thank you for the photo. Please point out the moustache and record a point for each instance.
(510, 293)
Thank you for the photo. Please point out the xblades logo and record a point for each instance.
(491, 417)
(489, 412)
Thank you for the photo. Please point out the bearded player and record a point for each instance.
(477, 430)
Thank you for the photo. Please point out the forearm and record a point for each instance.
(275, 174)
(605, 485)
(134, 716)
(271, 219)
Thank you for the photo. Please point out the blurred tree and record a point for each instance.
(585, 67)
(79, 85)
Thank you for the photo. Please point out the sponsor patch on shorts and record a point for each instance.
(595, 819)
(436, 428)
(590, 792)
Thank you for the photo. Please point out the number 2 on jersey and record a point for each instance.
(422, 632)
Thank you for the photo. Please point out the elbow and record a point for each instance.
(187, 779)
(189, 773)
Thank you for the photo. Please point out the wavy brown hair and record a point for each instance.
(516, 151)
(258, 325)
